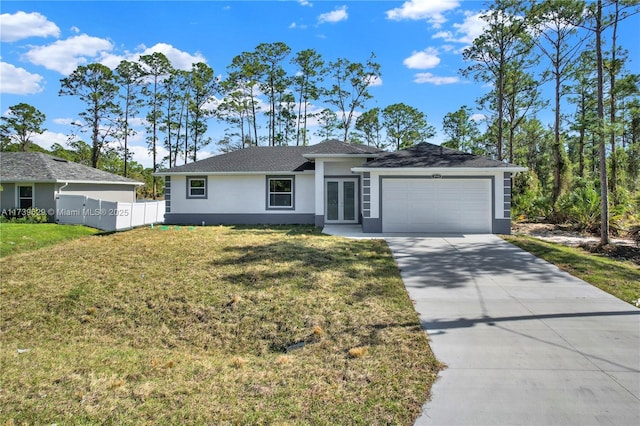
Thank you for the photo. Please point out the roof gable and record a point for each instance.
(40, 167)
(427, 155)
(270, 158)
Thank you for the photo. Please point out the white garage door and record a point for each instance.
(436, 205)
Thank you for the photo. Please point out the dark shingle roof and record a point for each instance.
(430, 155)
(40, 167)
(271, 158)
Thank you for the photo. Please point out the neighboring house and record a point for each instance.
(426, 188)
(35, 179)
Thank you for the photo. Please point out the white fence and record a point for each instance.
(107, 215)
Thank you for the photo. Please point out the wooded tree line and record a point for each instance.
(584, 163)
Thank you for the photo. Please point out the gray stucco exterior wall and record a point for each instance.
(43, 197)
(8, 196)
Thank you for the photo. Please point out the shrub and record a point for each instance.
(528, 198)
(30, 215)
(580, 207)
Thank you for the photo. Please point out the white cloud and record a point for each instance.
(430, 10)
(425, 59)
(478, 117)
(427, 77)
(340, 14)
(47, 139)
(471, 27)
(63, 121)
(140, 154)
(64, 56)
(466, 32)
(75, 30)
(443, 34)
(178, 58)
(23, 25)
(18, 81)
(305, 3)
(376, 81)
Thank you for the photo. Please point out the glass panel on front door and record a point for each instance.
(349, 189)
(341, 204)
(332, 201)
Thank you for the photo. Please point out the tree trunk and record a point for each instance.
(604, 196)
(557, 153)
(612, 109)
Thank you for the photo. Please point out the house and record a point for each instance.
(35, 179)
(426, 188)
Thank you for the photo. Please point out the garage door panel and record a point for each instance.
(436, 205)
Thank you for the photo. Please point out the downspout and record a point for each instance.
(55, 213)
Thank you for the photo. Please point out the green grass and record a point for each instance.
(619, 278)
(192, 325)
(21, 237)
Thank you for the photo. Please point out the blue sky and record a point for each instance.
(417, 43)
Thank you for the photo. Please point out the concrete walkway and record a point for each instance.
(525, 343)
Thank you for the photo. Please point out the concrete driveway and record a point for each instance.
(525, 343)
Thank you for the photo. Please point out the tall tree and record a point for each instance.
(460, 129)
(310, 73)
(597, 23)
(370, 126)
(503, 41)
(582, 94)
(129, 76)
(21, 123)
(554, 23)
(328, 124)
(405, 125)
(350, 87)
(157, 67)
(236, 109)
(522, 101)
(273, 79)
(621, 10)
(94, 84)
(244, 75)
(174, 89)
(202, 89)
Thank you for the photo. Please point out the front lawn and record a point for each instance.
(21, 237)
(619, 278)
(211, 325)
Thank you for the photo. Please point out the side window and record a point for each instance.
(280, 193)
(25, 197)
(197, 187)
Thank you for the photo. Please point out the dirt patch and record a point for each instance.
(619, 248)
(615, 251)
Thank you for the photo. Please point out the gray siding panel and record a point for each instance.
(502, 226)
(8, 196)
(45, 198)
(371, 225)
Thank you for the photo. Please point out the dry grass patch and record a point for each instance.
(210, 325)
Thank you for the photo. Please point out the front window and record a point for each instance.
(197, 187)
(25, 197)
(280, 193)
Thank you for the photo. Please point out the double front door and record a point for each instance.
(341, 202)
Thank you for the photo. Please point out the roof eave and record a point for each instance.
(512, 169)
(235, 173)
(100, 182)
(314, 156)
